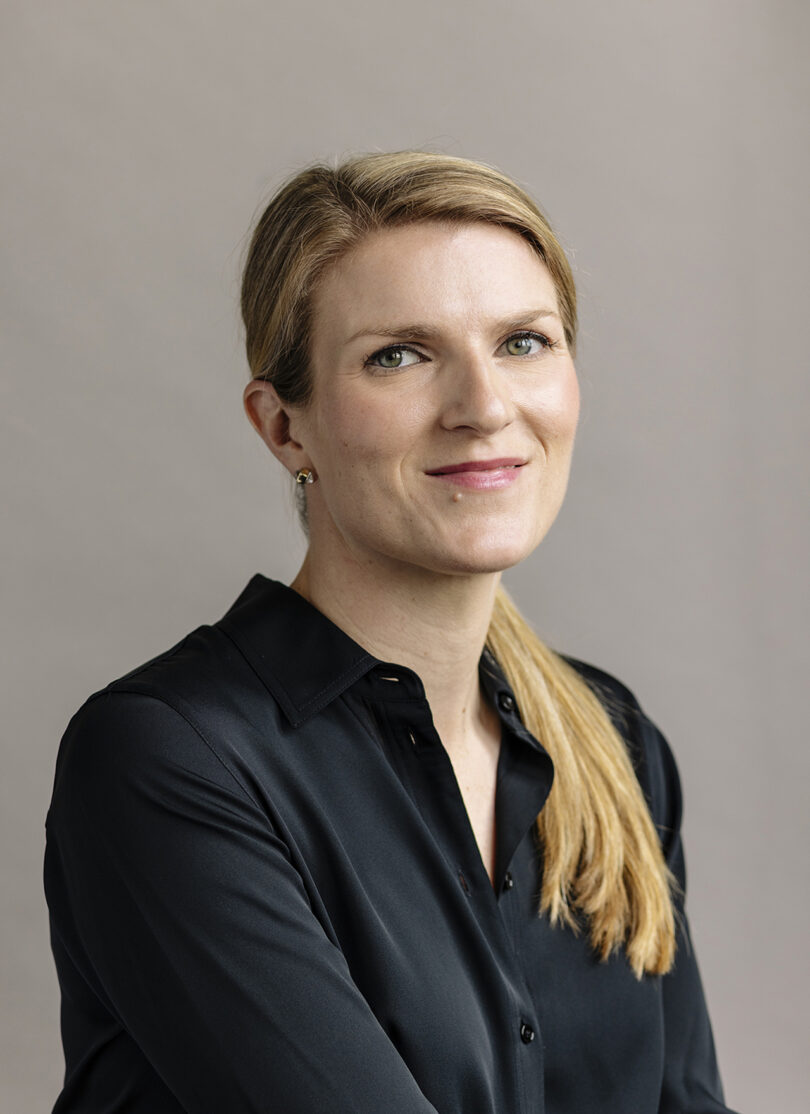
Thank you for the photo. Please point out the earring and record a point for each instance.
(305, 476)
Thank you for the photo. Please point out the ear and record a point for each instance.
(270, 417)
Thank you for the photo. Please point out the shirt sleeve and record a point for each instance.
(691, 1082)
(173, 894)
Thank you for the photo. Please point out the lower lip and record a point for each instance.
(490, 479)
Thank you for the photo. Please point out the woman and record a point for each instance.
(366, 844)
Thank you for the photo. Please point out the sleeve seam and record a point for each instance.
(197, 731)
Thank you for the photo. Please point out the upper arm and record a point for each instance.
(691, 1082)
(181, 904)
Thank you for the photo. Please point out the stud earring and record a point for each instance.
(305, 476)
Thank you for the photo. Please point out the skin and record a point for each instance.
(407, 562)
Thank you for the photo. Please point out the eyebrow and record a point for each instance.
(428, 332)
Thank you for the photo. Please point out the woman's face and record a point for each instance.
(445, 402)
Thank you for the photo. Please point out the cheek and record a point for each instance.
(556, 409)
(564, 402)
(371, 432)
(569, 403)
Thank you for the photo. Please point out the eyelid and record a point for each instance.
(394, 348)
(544, 338)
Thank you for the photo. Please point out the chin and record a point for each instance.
(483, 559)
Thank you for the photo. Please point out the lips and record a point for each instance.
(480, 475)
(477, 466)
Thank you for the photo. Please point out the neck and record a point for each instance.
(435, 624)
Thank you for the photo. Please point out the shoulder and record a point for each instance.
(164, 720)
(617, 698)
(200, 669)
(650, 752)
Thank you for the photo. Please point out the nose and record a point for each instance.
(475, 395)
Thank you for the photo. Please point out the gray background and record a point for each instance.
(666, 143)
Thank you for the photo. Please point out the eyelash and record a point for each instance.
(547, 343)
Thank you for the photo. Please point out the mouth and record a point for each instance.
(480, 475)
(477, 466)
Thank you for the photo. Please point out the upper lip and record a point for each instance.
(479, 465)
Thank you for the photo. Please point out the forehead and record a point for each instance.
(440, 273)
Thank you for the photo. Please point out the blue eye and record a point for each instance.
(394, 357)
(527, 344)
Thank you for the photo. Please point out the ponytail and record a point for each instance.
(602, 855)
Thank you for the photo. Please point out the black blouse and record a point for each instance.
(265, 895)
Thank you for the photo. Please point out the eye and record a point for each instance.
(527, 344)
(397, 356)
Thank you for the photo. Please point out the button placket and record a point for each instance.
(506, 702)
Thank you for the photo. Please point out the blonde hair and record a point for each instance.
(602, 856)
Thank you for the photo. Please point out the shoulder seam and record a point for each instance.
(125, 691)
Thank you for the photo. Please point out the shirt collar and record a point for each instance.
(306, 661)
(303, 658)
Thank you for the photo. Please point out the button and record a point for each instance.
(526, 1033)
(506, 702)
(463, 882)
(508, 881)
